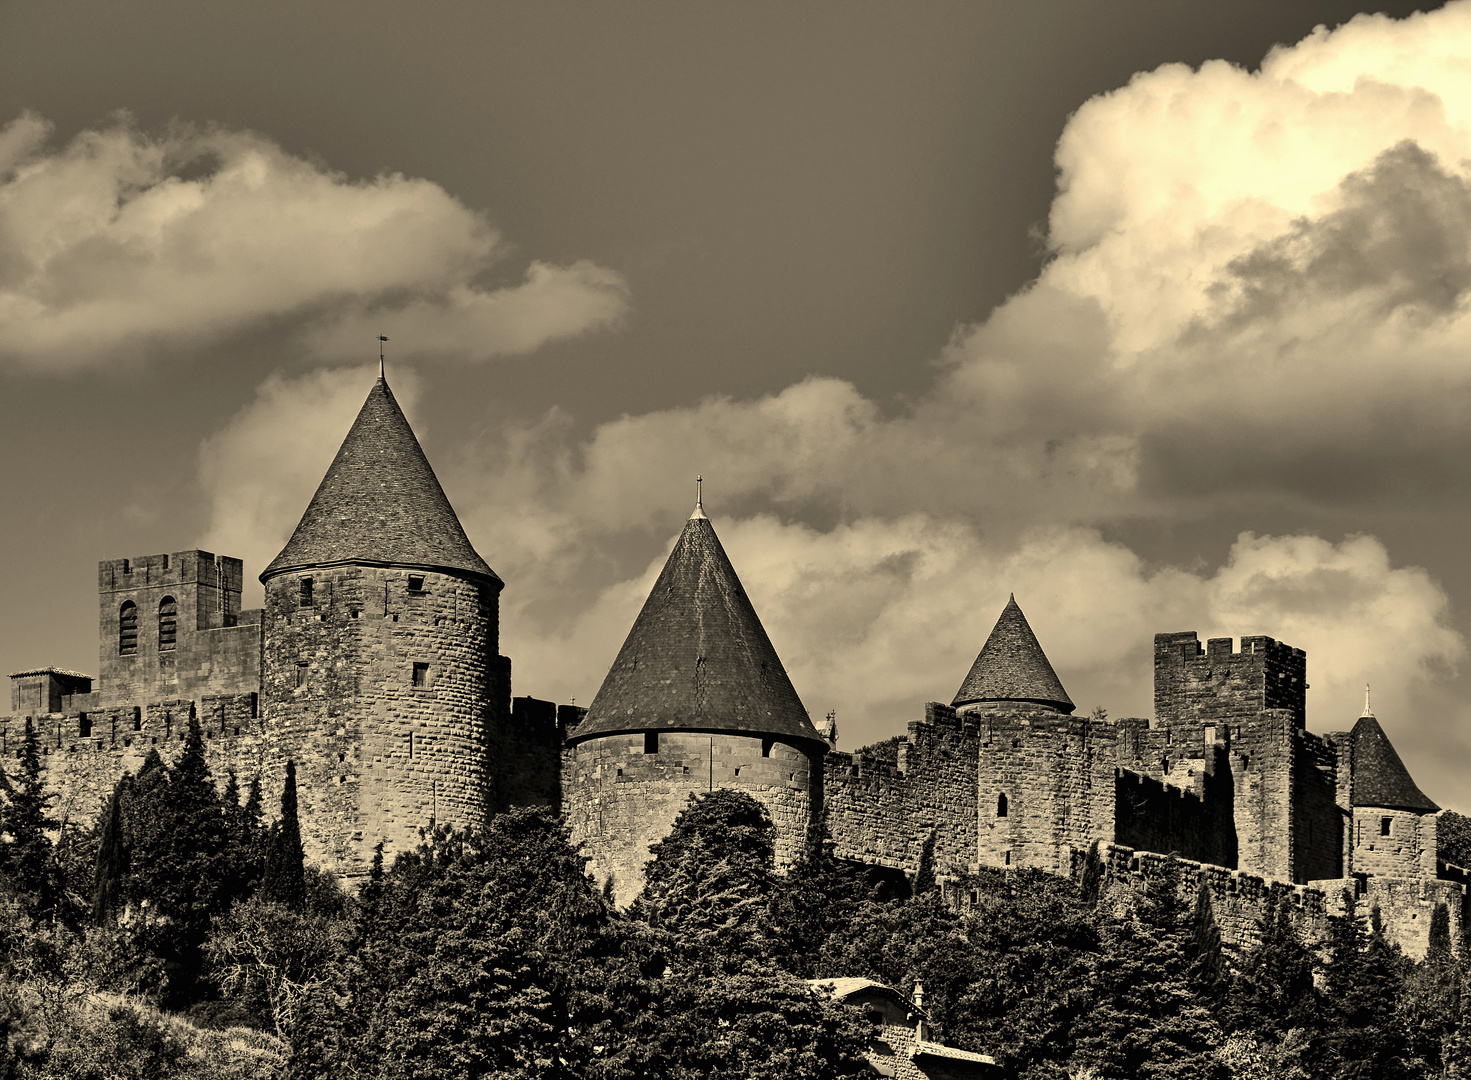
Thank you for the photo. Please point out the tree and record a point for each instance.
(1145, 1021)
(1429, 1006)
(28, 856)
(1362, 1036)
(284, 880)
(263, 948)
(1274, 993)
(112, 860)
(709, 880)
(813, 904)
(489, 953)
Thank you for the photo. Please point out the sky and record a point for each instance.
(1154, 314)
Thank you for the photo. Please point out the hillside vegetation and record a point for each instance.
(182, 936)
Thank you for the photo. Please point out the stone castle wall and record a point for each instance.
(622, 793)
(883, 804)
(382, 752)
(85, 754)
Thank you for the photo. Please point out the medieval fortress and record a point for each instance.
(375, 666)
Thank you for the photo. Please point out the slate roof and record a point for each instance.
(1012, 667)
(698, 658)
(380, 504)
(1380, 777)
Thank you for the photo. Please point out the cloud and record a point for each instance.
(260, 470)
(1257, 289)
(123, 241)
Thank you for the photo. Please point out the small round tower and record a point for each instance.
(380, 670)
(696, 700)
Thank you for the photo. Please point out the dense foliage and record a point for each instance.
(130, 947)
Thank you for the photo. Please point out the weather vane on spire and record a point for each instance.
(381, 340)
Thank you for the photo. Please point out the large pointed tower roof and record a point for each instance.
(698, 658)
(1380, 777)
(1012, 667)
(380, 504)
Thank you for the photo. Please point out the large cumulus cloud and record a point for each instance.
(122, 242)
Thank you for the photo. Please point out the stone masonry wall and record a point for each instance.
(85, 754)
(379, 757)
(620, 799)
(1191, 682)
(1407, 849)
(1058, 777)
(883, 806)
(1238, 899)
(1155, 816)
(216, 648)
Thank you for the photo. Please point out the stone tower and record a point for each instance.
(696, 700)
(381, 674)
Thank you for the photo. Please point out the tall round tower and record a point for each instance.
(696, 700)
(381, 674)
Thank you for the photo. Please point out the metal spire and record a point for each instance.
(1367, 711)
(381, 340)
(699, 501)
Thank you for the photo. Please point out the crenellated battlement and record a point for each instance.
(1218, 683)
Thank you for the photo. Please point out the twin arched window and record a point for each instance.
(168, 622)
(127, 629)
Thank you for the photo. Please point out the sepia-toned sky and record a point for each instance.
(1155, 314)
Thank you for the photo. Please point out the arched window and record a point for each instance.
(168, 622)
(1001, 805)
(127, 629)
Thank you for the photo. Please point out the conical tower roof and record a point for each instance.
(1380, 777)
(698, 658)
(380, 504)
(1012, 667)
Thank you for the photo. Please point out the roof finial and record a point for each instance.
(699, 501)
(1367, 711)
(381, 340)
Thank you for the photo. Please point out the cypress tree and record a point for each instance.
(28, 856)
(285, 879)
(924, 874)
(112, 860)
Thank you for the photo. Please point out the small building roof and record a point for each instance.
(62, 672)
(698, 658)
(380, 504)
(1380, 777)
(1012, 667)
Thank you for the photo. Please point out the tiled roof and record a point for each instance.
(380, 504)
(698, 658)
(950, 1053)
(50, 671)
(1012, 667)
(1380, 777)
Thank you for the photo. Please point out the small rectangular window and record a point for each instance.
(766, 747)
(301, 670)
(421, 676)
(306, 592)
(651, 742)
(1384, 826)
(416, 583)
